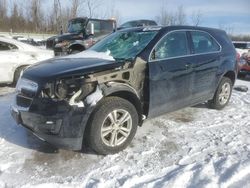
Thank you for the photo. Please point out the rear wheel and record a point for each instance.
(112, 126)
(222, 94)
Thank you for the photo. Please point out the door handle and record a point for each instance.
(188, 65)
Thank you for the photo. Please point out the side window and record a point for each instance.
(172, 45)
(203, 42)
(6, 46)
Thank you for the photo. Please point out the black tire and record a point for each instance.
(17, 74)
(99, 119)
(217, 102)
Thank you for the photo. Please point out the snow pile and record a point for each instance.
(93, 98)
(193, 147)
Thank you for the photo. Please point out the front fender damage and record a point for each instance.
(61, 112)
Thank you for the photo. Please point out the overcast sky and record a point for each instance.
(215, 13)
(233, 14)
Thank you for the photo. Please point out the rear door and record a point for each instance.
(170, 74)
(206, 59)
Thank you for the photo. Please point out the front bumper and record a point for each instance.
(60, 51)
(63, 128)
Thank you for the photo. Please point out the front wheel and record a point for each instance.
(222, 94)
(112, 125)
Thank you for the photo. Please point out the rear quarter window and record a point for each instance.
(203, 42)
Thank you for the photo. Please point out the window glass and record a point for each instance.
(101, 27)
(172, 45)
(124, 45)
(203, 42)
(6, 46)
(76, 25)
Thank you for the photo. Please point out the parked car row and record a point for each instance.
(83, 32)
(15, 56)
(31, 41)
(98, 97)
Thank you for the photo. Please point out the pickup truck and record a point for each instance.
(82, 33)
(100, 96)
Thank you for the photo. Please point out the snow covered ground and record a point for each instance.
(193, 147)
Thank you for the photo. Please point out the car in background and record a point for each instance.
(137, 23)
(101, 95)
(245, 68)
(241, 45)
(15, 56)
(243, 49)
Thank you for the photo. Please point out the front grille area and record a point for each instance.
(22, 101)
(50, 44)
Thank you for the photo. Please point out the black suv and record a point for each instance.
(100, 96)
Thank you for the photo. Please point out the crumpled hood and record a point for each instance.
(52, 69)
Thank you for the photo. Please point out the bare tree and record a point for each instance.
(92, 5)
(196, 18)
(111, 12)
(166, 17)
(227, 27)
(180, 16)
(3, 8)
(75, 7)
(3, 13)
(36, 14)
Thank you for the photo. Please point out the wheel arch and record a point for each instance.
(77, 46)
(128, 93)
(17, 68)
(231, 75)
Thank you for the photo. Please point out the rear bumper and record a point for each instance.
(63, 130)
(245, 69)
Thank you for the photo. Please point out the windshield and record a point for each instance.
(124, 45)
(76, 26)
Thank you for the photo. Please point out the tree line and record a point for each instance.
(41, 16)
(50, 16)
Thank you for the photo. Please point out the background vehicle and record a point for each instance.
(81, 34)
(101, 95)
(243, 49)
(137, 23)
(241, 45)
(16, 56)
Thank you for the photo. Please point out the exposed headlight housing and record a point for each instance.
(27, 85)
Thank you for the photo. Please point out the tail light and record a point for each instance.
(237, 57)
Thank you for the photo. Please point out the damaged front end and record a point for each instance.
(58, 111)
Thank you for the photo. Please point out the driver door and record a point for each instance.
(170, 74)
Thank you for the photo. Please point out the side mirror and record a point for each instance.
(92, 29)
